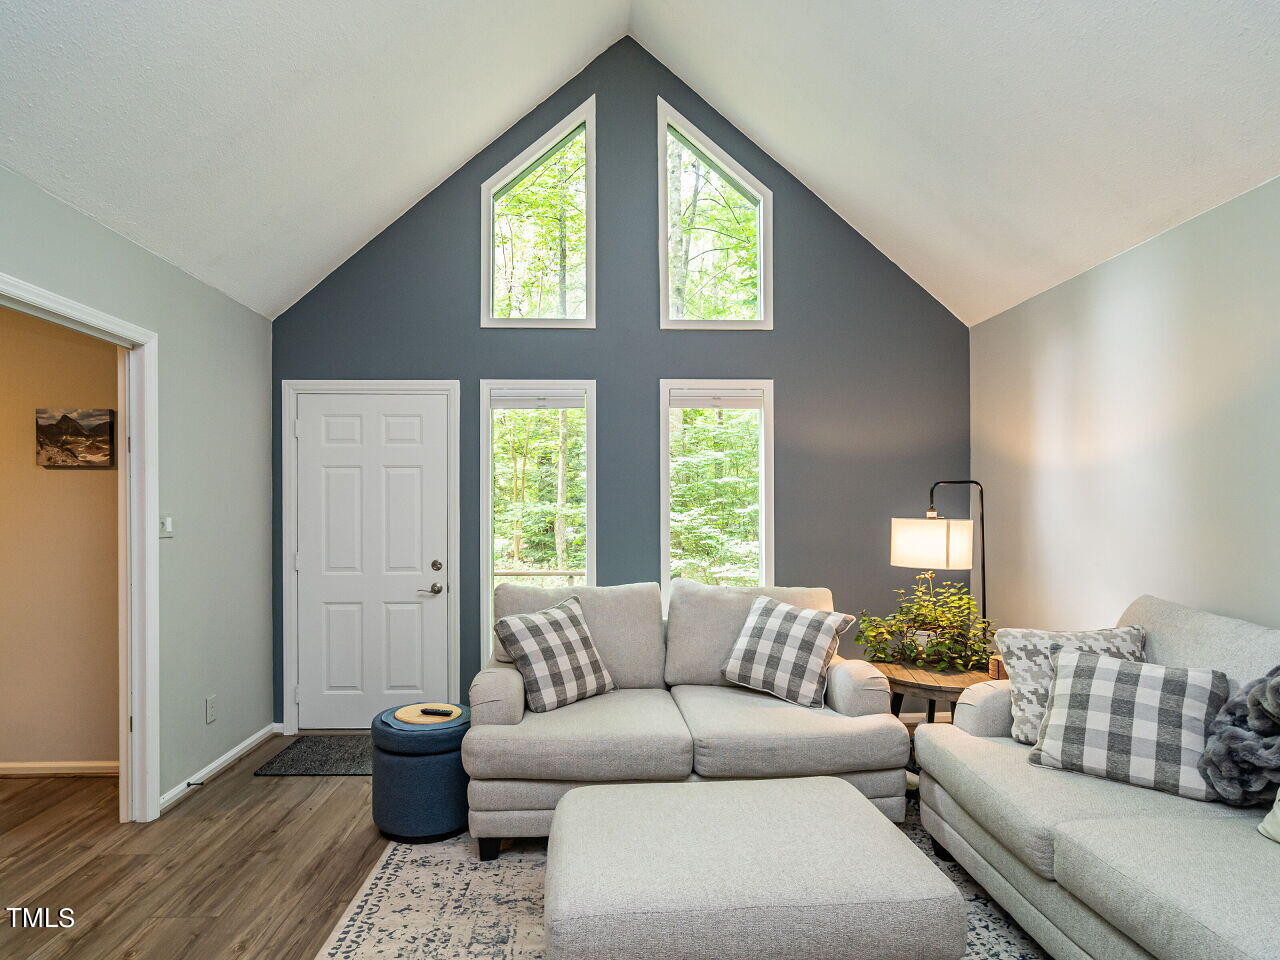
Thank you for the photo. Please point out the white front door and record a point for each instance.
(373, 522)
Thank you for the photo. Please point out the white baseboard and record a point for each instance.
(224, 761)
(49, 768)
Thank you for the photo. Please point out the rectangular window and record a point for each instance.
(716, 226)
(717, 481)
(537, 458)
(538, 231)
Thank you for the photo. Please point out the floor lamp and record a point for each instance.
(936, 543)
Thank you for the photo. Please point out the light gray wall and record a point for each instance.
(1124, 424)
(870, 372)
(215, 456)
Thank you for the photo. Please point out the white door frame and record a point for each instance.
(290, 390)
(140, 642)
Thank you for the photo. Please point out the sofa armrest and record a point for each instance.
(856, 688)
(986, 709)
(497, 695)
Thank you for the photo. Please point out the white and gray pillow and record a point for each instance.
(1028, 661)
(1138, 723)
(1270, 825)
(785, 651)
(554, 653)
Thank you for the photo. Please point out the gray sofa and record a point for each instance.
(1097, 869)
(672, 718)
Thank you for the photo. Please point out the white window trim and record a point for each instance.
(584, 114)
(668, 115)
(535, 391)
(726, 392)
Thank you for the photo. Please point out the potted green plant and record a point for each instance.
(936, 625)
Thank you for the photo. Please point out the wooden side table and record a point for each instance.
(932, 685)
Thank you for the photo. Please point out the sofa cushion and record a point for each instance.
(1184, 890)
(1028, 897)
(742, 733)
(620, 735)
(625, 624)
(1179, 636)
(1022, 805)
(703, 623)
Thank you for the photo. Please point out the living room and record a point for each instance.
(552, 443)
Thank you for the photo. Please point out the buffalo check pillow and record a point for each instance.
(554, 653)
(1137, 723)
(785, 651)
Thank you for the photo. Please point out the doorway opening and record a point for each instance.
(77, 440)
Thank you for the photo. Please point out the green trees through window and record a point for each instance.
(714, 463)
(539, 473)
(540, 236)
(713, 238)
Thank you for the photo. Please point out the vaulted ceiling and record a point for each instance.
(991, 148)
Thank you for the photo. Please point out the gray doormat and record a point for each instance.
(340, 755)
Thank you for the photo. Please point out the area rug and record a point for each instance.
(339, 755)
(439, 901)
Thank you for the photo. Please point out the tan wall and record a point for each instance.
(59, 600)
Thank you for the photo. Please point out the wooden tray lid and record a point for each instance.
(412, 713)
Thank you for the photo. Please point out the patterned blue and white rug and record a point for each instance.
(439, 902)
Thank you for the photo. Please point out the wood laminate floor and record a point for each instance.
(245, 867)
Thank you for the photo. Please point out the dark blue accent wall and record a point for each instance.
(871, 374)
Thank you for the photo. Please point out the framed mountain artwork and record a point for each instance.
(75, 438)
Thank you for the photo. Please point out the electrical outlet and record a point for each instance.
(209, 713)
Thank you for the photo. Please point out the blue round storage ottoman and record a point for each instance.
(419, 786)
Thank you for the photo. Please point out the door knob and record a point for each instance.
(433, 589)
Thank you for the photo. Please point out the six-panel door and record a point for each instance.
(373, 517)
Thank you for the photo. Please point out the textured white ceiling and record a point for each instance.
(991, 149)
(257, 144)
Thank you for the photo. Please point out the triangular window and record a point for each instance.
(539, 231)
(716, 221)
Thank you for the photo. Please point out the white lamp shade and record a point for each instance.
(931, 544)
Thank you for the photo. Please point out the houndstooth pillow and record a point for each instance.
(553, 651)
(785, 650)
(1027, 660)
(1138, 723)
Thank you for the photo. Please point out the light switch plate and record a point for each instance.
(209, 712)
(166, 526)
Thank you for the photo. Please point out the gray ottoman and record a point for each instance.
(806, 869)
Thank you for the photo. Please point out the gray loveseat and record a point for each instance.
(1097, 869)
(673, 717)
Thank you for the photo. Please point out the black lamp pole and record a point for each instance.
(982, 526)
